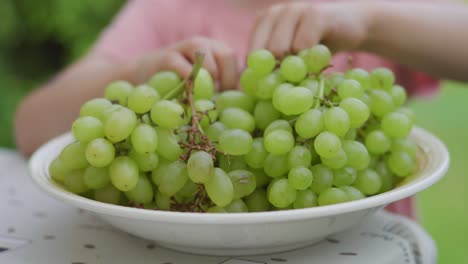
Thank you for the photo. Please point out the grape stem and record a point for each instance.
(321, 92)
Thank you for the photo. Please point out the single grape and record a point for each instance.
(118, 91)
(73, 156)
(249, 81)
(337, 121)
(219, 188)
(332, 196)
(386, 176)
(214, 130)
(310, 123)
(278, 95)
(396, 125)
(336, 162)
(350, 88)
(120, 124)
(404, 145)
(381, 103)
(344, 176)
(300, 178)
(311, 84)
(368, 182)
(57, 170)
(377, 142)
(123, 172)
(167, 114)
(96, 178)
(352, 193)
(261, 62)
(281, 194)
(323, 178)
(360, 75)
(87, 128)
(237, 118)
(293, 69)
(264, 114)
(305, 199)
(109, 194)
(358, 156)
(200, 167)
(357, 111)
(243, 182)
(107, 112)
(257, 201)
(216, 210)
(168, 144)
(266, 86)
(278, 125)
(398, 95)
(171, 178)
(100, 152)
(203, 86)
(299, 156)
(317, 58)
(74, 182)
(146, 162)
(276, 165)
(95, 107)
(236, 206)
(408, 112)
(163, 202)
(142, 193)
(255, 158)
(209, 108)
(295, 101)
(164, 81)
(351, 135)
(237, 99)
(382, 78)
(279, 142)
(144, 139)
(400, 163)
(235, 142)
(327, 144)
(187, 193)
(230, 163)
(142, 98)
(261, 178)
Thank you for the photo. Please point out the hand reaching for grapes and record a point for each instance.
(220, 61)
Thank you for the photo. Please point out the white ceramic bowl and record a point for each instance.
(245, 233)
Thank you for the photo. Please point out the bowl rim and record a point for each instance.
(432, 145)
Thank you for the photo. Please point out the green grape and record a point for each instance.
(142, 98)
(200, 167)
(360, 75)
(142, 193)
(357, 110)
(203, 86)
(163, 202)
(408, 112)
(164, 81)
(257, 155)
(336, 162)
(146, 162)
(368, 182)
(95, 108)
(337, 121)
(279, 142)
(311, 84)
(358, 156)
(257, 201)
(109, 111)
(279, 93)
(220, 189)
(305, 199)
(236, 206)
(327, 144)
(261, 62)
(266, 86)
(187, 193)
(299, 156)
(237, 118)
(300, 178)
(310, 123)
(317, 58)
(214, 130)
(57, 170)
(230, 163)
(206, 106)
(120, 124)
(235, 142)
(295, 101)
(243, 182)
(398, 95)
(377, 142)
(109, 194)
(333, 82)
(352, 193)
(332, 196)
(160, 170)
(100, 152)
(366, 99)
(261, 178)
(96, 178)
(351, 135)
(237, 99)
(123, 172)
(118, 91)
(382, 78)
(278, 125)
(323, 178)
(144, 139)
(167, 114)
(73, 156)
(264, 114)
(386, 176)
(281, 194)
(350, 88)
(293, 69)
(276, 165)
(168, 144)
(396, 125)
(216, 209)
(249, 81)
(74, 182)
(404, 145)
(171, 178)
(87, 128)
(400, 163)
(344, 176)
(381, 103)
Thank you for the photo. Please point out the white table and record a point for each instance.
(35, 228)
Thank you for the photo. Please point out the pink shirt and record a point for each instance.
(144, 25)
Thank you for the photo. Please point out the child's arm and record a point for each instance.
(51, 109)
(432, 37)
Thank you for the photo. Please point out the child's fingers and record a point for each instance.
(309, 31)
(284, 30)
(226, 62)
(261, 32)
(177, 62)
(199, 44)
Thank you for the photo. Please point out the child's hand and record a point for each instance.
(220, 61)
(287, 28)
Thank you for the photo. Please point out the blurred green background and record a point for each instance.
(38, 38)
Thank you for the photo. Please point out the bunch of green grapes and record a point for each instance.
(295, 137)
